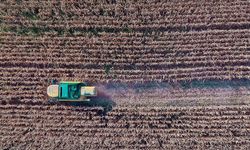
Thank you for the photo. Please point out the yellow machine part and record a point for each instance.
(70, 82)
(53, 91)
(88, 91)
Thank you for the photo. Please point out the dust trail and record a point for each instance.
(196, 93)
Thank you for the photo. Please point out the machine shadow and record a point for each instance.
(101, 100)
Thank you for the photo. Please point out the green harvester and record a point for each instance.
(71, 91)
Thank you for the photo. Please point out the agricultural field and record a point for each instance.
(170, 75)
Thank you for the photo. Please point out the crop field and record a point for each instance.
(170, 75)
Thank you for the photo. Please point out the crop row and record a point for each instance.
(143, 62)
(164, 112)
(164, 38)
(99, 74)
(110, 25)
(131, 3)
(78, 54)
(238, 70)
(135, 36)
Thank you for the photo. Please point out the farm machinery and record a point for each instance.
(71, 91)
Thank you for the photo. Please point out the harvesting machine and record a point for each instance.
(71, 91)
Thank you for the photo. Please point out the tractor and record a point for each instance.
(67, 91)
